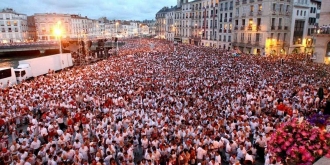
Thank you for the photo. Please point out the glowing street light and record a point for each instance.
(58, 33)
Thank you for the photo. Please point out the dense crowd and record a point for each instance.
(150, 105)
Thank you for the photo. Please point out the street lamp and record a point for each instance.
(58, 34)
(117, 23)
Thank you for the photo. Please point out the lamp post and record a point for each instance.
(58, 34)
(117, 23)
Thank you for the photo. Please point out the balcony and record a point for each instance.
(259, 0)
(229, 20)
(236, 28)
(216, 5)
(242, 27)
(251, 13)
(237, 3)
(221, 9)
(279, 27)
(225, 20)
(226, 8)
(297, 4)
(287, 13)
(220, 30)
(258, 28)
(225, 30)
(256, 43)
(230, 8)
(259, 12)
(272, 27)
(286, 27)
(249, 27)
(274, 12)
(251, 1)
(229, 31)
(249, 42)
(243, 15)
(244, 2)
(3, 31)
(207, 6)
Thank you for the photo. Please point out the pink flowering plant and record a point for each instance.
(299, 143)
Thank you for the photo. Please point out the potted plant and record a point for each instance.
(299, 142)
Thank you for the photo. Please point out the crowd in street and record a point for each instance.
(152, 105)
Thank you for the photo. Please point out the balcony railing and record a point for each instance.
(286, 27)
(230, 8)
(249, 27)
(279, 27)
(220, 30)
(287, 13)
(251, 13)
(229, 20)
(221, 9)
(242, 27)
(237, 3)
(258, 28)
(321, 30)
(274, 12)
(243, 15)
(259, 12)
(226, 8)
(229, 31)
(244, 2)
(251, 1)
(235, 28)
(225, 20)
(272, 27)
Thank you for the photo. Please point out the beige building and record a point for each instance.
(46, 23)
(13, 26)
(262, 26)
(322, 35)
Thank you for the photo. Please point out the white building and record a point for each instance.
(80, 27)
(13, 26)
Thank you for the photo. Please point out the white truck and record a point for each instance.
(31, 68)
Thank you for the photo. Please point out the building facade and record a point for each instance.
(31, 32)
(262, 27)
(13, 26)
(161, 23)
(321, 35)
(46, 23)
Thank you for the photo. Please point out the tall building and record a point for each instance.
(322, 35)
(13, 26)
(161, 22)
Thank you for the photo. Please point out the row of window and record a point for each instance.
(3, 30)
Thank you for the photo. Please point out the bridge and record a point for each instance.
(29, 47)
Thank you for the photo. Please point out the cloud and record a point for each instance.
(112, 9)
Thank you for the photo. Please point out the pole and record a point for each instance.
(60, 44)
